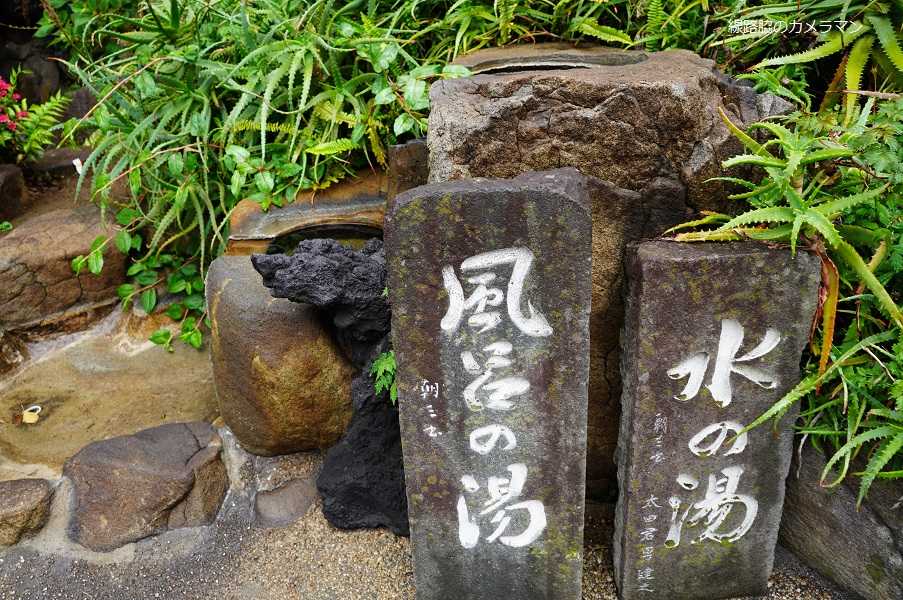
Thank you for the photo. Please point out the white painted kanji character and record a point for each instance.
(721, 498)
(503, 493)
(726, 363)
(484, 439)
(534, 325)
(722, 428)
(650, 503)
(501, 390)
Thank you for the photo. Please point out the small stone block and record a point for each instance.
(489, 282)
(713, 337)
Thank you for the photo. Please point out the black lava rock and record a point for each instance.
(350, 285)
(362, 480)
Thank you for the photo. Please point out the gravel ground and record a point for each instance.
(308, 560)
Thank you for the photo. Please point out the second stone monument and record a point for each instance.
(489, 282)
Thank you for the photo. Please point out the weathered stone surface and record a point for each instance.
(13, 352)
(14, 200)
(282, 382)
(87, 391)
(648, 123)
(408, 166)
(734, 318)
(131, 487)
(362, 480)
(58, 162)
(24, 507)
(512, 380)
(860, 549)
(42, 78)
(349, 284)
(624, 116)
(36, 279)
(353, 208)
(284, 505)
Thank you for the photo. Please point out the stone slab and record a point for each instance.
(818, 521)
(493, 392)
(713, 337)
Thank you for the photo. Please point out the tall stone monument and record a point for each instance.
(489, 283)
(713, 337)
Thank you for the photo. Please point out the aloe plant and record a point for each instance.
(835, 189)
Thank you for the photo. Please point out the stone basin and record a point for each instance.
(100, 383)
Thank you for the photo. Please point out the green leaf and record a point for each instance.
(772, 214)
(123, 241)
(149, 300)
(195, 301)
(264, 181)
(587, 26)
(836, 42)
(95, 262)
(888, 37)
(175, 311)
(162, 337)
(175, 163)
(403, 124)
(125, 290)
(338, 146)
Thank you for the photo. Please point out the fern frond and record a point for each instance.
(587, 26)
(887, 37)
(836, 42)
(887, 451)
(855, 442)
(810, 382)
(334, 147)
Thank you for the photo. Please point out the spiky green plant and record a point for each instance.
(837, 190)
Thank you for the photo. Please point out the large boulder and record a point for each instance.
(362, 480)
(131, 487)
(860, 549)
(24, 508)
(646, 123)
(37, 284)
(282, 382)
(627, 117)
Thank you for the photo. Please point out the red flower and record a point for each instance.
(22, 114)
(3, 118)
(3, 84)
(11, 126)
(2, 93)
(17, 96)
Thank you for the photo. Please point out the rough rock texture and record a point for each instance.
(24, 507)
(861, 550)
(284, 505)
(13, 352)
(43, 78)
(131, 487)
(362, 481)
(712, 338)
(491, 329)
(625, 117)
(14, 200)
(349, 284)
(37, 283)
(408, 166)
(648, 123)
(283, 384)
